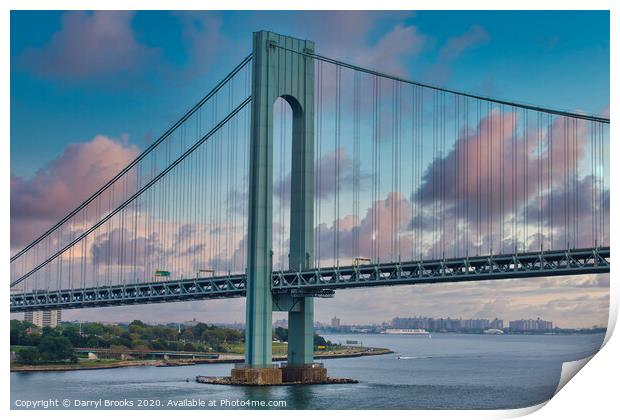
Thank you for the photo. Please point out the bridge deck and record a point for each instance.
(491, 267)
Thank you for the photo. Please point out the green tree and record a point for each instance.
(281, 333)
(136, 328)
(28, 356)
(93, 328)
(157, 345)
(321, 341)
(187, 334)
(56, 349)
(74, 337)
(19, 332)
(199, 329)
(125, 339)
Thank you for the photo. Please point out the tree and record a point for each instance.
(137, 327)
(187, 334)
(31, 339)
(93, 328)
(18, 331)
(73, 336)
(125, 339)
(320, 341)
(157, 345)
(232, 335)
(199, 329)
(281, 334)
(56, 349)
(28, 356)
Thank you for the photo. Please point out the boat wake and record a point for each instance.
(414, 357)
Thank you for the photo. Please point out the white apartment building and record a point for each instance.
(43, 318)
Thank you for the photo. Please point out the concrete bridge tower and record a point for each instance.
(280, 70)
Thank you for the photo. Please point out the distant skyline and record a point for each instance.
(101, 86)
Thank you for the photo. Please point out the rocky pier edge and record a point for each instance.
(227, 380)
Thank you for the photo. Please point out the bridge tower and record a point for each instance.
(280, 70)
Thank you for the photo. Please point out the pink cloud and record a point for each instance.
(481, 154)
(345, 35)
(469, 181)
(378, 235)
(38, 202)
(393, 49)
(90, 45)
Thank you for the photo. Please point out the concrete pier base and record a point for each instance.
(313, 373)
(256, 376)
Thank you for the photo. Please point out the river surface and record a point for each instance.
(446, 371)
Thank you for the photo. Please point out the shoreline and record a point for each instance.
(227, 358)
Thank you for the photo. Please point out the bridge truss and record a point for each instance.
(313, 282)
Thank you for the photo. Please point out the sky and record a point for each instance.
(91, 90)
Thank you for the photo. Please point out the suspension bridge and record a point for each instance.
(300, 174)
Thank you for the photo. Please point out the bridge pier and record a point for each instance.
(301, 333)
(280, 70)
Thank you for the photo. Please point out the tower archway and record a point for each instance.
(281, 69)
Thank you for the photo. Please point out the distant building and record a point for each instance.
(335, 322)
(445, 324)
(530, 325)
(42, 319)
(497, 324)
(448, 324)
(413, 323)
(475, 324)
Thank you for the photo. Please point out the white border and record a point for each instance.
(593, 394)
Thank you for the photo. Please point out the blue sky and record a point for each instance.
(93, 89)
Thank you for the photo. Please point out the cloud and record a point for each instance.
(329, 178)
(64, 183)
(380, 40)
(393, 49)
(207, 43)
(378, 234)
(452, 50)
(456, 46)
(88, 46)
(467, 182)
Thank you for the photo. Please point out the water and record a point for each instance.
(447, 371)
